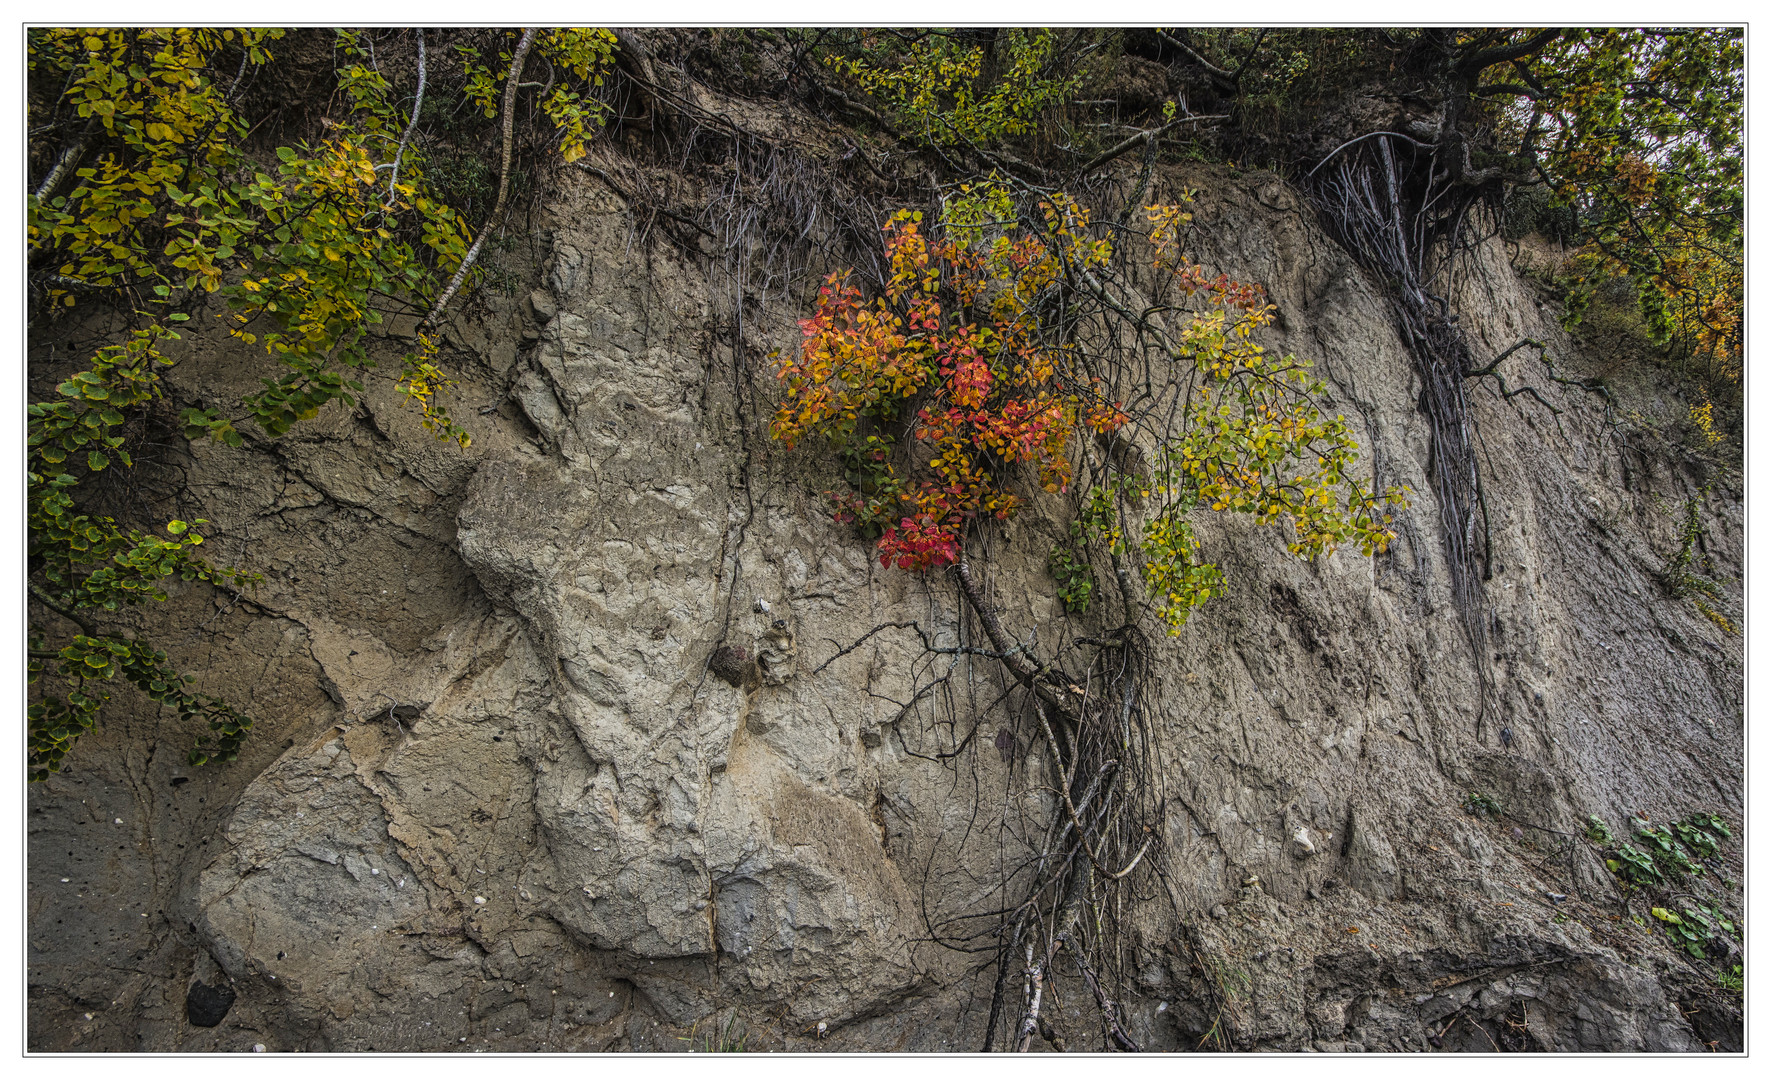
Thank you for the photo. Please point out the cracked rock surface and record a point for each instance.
(496, 799)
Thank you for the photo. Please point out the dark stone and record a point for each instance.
(1005, 745)
(732, 663)
(206, 1005)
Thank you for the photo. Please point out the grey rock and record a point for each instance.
(657, 843)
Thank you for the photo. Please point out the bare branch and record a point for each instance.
(473, 253)
(1515, 347)
(1361, 138)
(65, 612)
(68, 157)
(1501, 54)
(417, 104)
(1225, 80)
(1149, 134)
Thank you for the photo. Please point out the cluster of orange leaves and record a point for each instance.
(955, 329)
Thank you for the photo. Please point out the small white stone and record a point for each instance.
(258, 1048)
(64, 881)
(822, 1027)
(117, 821)
(88, 1016)
(762, 606)
(373, 870)
(1162, 1006)
(479, 899)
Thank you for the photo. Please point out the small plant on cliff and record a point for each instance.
(1694, 927)
(1680, 577)
(1668, 852)
(1479, 803)
(1633, 867)
(1674, 852)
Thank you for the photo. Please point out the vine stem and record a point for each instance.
(473, 253)
(65, 612)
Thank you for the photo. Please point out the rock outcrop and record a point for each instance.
(499, 795)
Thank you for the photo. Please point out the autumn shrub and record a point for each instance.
(975, 380)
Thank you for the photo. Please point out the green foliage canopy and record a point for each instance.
(1641, 132)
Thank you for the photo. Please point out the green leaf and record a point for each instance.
(97, 461)
(176, 527)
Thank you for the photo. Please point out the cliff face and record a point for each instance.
(497, 799)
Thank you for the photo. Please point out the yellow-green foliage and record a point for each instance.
(586, 53)
(582, 52)
(1251, 439)
(936, 90)
(1704, 420)
(85, 563)
(1640, 132)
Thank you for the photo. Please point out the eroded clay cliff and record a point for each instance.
(495, 797)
